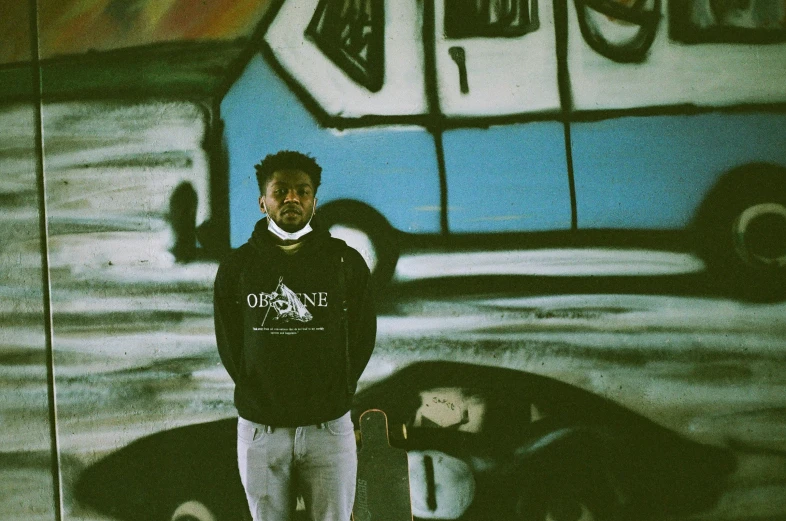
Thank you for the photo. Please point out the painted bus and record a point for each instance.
(492, 118)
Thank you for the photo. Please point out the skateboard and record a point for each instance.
(383, 474)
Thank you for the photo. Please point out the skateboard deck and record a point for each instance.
(383, 474)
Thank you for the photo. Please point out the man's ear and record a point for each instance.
(315, 207)
(262, 206)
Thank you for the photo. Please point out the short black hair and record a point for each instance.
(287, 160)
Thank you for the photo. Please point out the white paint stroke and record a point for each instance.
(548, 262)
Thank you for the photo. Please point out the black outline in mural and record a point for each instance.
(675, 110)
(19, 76)
(673, 240)
(46, 282)
(458, 25)
(561, 36)
(124, 74)
(633, 51)
(436, 117)
(372, 76)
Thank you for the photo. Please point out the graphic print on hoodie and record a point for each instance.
(287, 306)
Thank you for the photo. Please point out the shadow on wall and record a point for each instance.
(209, 239)
(182, 217)
(151, 478)
(192, 242)
(502, 444)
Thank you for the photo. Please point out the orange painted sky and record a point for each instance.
(77, 26)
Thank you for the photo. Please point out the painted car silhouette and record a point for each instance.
(483, 443)
(511, 119)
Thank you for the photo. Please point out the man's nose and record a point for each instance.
(291, 196)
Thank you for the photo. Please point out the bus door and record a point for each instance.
(496, 86)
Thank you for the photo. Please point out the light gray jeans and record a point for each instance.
(319, 461)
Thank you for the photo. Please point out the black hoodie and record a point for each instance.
(279, 331)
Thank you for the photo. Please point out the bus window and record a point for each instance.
(490, 18)
(351, 34)
(731, 21)
(621, 30)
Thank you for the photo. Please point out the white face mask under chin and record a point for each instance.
(286, 236)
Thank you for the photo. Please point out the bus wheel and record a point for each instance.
(364, 229)
(744, 233)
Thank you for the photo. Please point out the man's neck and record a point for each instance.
(285, 242)
(289, 247)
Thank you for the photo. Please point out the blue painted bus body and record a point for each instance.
(630, 172)
(507, 178)
(392, 169)
(653, 172)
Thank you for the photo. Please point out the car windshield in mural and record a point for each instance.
(468, 18)
(620, 30)
(573, 213)
(761, 21)
(351, 33)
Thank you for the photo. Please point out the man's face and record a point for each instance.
(289, 199)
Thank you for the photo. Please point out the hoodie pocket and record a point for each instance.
(341, 426)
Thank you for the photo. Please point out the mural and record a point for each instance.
(26, 463)
(499, 443)
(576, 120)
(575, 213)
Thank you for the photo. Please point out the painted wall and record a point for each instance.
(549, 336)
(26, 468)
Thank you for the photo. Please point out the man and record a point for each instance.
(295, 327)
